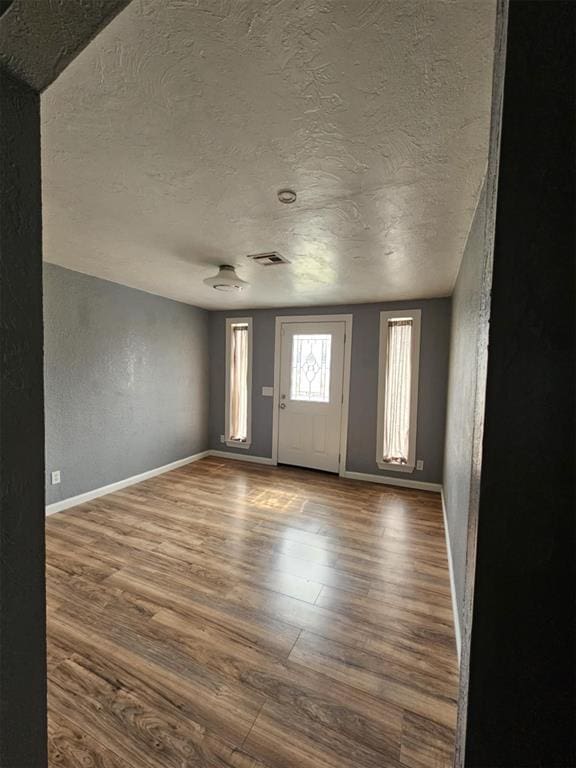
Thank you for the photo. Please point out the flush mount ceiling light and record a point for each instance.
(226, 280)
(287, 196)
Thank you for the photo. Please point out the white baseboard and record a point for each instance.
(241, 457)
(58, 506)
(399, 481)
(455, 613)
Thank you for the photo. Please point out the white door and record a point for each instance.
(310, 401)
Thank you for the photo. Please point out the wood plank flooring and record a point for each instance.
(229, 614)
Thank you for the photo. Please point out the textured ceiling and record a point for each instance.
(166, 140)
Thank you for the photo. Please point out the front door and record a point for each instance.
(310, 402)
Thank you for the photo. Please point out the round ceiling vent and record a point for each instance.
(226, 280)
(287, 196)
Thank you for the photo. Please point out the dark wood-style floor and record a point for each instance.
(231, 614)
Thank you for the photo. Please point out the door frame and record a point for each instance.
(285, 320)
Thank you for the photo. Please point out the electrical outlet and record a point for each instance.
(222, 439)
(419, 464)
(56, 477)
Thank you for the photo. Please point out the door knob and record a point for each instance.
(282, 405)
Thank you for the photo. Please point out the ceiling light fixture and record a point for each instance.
(226, 280)
(287, 196)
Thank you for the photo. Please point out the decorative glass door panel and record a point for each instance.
(310, 374)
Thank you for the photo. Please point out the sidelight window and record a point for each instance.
(238, 381)
(398, 389)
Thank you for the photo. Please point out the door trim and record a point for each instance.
(285, 319)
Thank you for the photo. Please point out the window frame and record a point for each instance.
(416, 316)
(243, 444)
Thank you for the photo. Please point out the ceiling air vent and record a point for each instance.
(268, 259)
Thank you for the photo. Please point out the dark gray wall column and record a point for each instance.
(465, 350)
(22, 588)
(521, 672)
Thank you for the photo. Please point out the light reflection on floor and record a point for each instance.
(273, 500)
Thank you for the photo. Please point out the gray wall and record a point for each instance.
(466, 306)
(363, 385)
(126, 381)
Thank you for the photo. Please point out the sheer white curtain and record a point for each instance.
(397, 395)
(239, 383)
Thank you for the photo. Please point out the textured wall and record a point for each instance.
(466, 309)
(22, 604)
(126, 378)
(39, 39)
(363, 384)
(522, 686)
